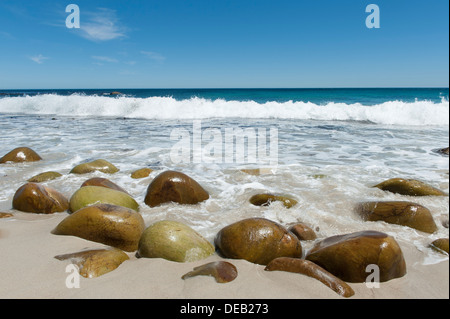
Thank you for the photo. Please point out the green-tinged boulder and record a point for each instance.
(95, 263)
(103, 182)
(257, 240)
(440, 245)
(177, 187)
(267, 199)
(400, 213)
(90, 195)
(44, 177)
(141, 173)
(100, 165)
(174, 241)
(20, 155)
(352, 257)
(39, 199)
(111, 225)
(409, 187)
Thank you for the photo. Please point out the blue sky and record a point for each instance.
(223, 44)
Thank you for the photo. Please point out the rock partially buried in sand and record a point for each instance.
(90, 195)
(95, 263)
(141, 173)
(38, 199)
(44, 177)
(257, 240)
(400, 213)
(440, 245)
(267, 199)
(348, 256)
(111, 225)
(176, 187)
(103, 182)
(100, 165)
(5, 215)
(20, 155)
(409, 187)
(310, 269)
(222, 271)
(303, 232)
(173, 241)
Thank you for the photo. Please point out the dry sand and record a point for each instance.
(28, 269)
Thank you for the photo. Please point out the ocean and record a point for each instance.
(324, 147)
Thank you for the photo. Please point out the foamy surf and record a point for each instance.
(417, 113)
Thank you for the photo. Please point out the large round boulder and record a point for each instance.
(111, 225)
(400, 213)
(20, 155)
(172, 186)
(100, 165)
(174, 241)
(90, 195)
(257, 240)
(349, 256)
(410, 187)
(39, 199)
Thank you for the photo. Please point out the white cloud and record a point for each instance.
(154, 56)
(101, 26)
(105, 59)
(39, 59)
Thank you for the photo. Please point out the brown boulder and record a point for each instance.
(409, 187)
(303, 232)
(222, 271)
(44, 177)
(440, 245)
(20, 155)
(141, 173)
(267, 199)
(38, 199)
(100, 165)
(348, 256)
(257, 240)
(400, 213)
(176, 187)
(103, 182)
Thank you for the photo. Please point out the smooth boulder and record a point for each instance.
(20, 155)
(257, 240)
(90, 195)
(349, 256)
(174, 241)
(399, 213)
(409, 187)
(440, 245)
(111, 225)
(267, 199)
(303, 232)
(141, 173)
(44, 177)
(103, 182)
(39, 199)
(171, 186)
(99, 165)
(222, 271)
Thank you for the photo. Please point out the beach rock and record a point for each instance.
(303, 232)
(141, 173)
(257, 171)
(440, 245)
(44, 177)
(176, 187)
(222, 271)
(443, 151)
(257, 240)
(20, 155)
(174, 241)
(103, 182)
(111, 225)
(95, 263)
(400, 213)
(5, 215)
(100, 165)
(312, 270)
(39, 199)
(348, 256)
(267, 199)
(90, 195)
(409, 187)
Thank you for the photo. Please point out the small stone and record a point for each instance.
(267, 199)
(440, 245)
(20, 155)
(303, 232)
(222, 271)
(44, 177)
(95, 263)
(100, 165)
(6, 215)
(312, 270)
(141, 173)
(257, 171)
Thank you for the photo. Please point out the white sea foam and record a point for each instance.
(416, 113)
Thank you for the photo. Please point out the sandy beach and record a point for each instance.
(29, 270)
